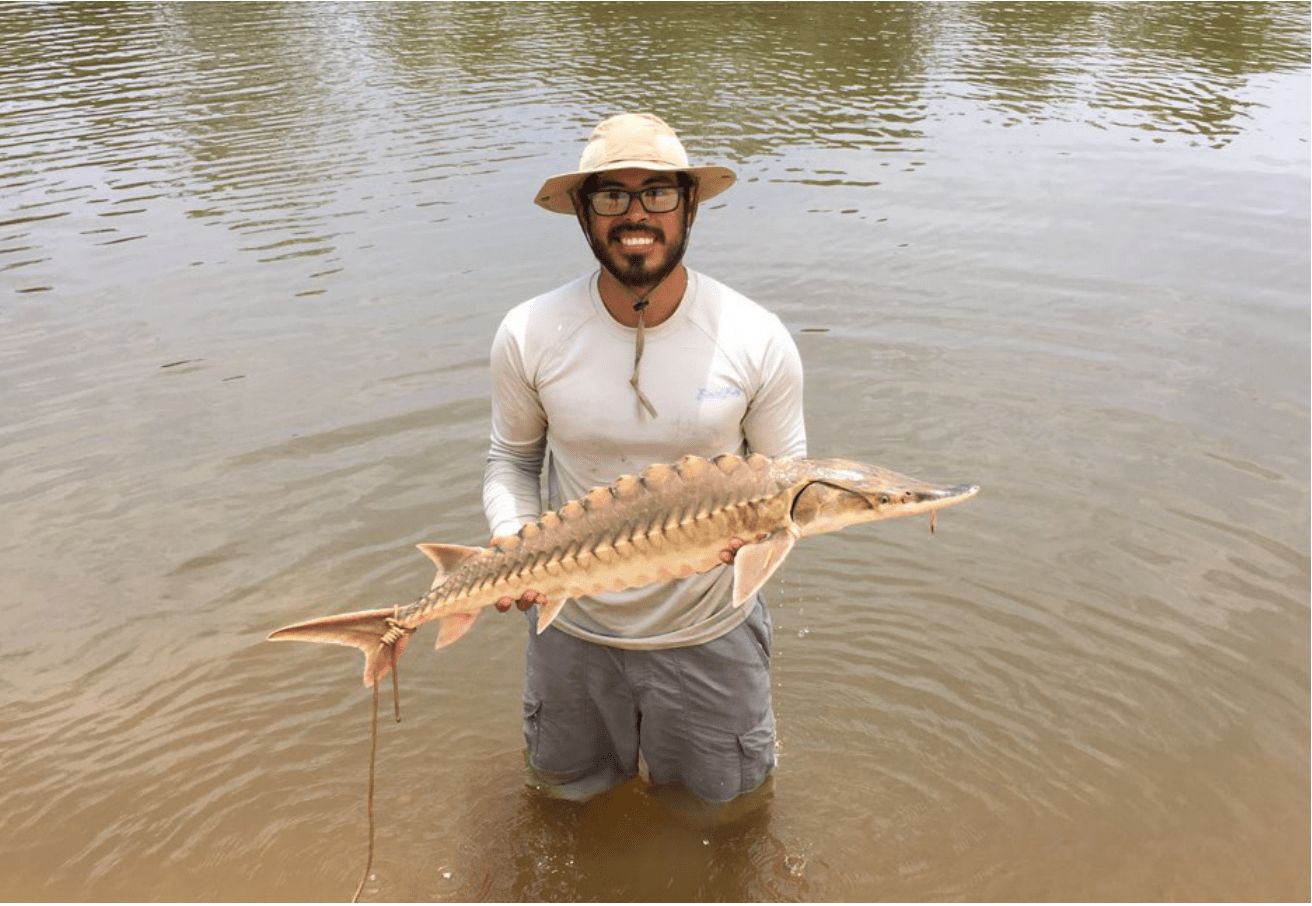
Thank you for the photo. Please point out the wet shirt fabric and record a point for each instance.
(724, 376)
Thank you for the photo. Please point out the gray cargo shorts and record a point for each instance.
(699, 715)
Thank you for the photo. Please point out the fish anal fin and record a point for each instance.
(547, 612)
(755, 563)
(455, 626)
(447, 556)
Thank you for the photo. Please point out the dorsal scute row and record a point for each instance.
(629, 487)
(716, 478)
(652, 502)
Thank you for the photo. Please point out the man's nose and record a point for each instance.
(635, 205)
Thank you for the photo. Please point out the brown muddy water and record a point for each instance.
(252, 257)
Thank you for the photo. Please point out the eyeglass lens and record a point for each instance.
(654, 200)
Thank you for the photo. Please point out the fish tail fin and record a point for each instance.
(372, 631)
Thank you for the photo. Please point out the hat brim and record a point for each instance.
(556, 194)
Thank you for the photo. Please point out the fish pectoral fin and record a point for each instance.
(547, 612)
(454, 626)
(447, 556)
(755, 563)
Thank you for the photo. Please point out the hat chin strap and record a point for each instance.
(640, 306)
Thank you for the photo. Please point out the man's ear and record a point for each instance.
(581, 212)
(691, 194)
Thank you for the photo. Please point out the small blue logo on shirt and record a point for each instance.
(719, 393)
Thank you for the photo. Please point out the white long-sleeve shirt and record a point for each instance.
(724, 376)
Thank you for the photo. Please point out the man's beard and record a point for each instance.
(632, 270)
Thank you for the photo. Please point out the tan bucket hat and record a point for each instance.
(631, 140)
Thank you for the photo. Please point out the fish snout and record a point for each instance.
(932, 495)
(921, 495)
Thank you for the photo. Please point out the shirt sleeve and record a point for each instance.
(512, 493)
(774, 424)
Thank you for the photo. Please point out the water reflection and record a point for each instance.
(289, 132)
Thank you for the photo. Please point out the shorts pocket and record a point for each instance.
(756, 753)
(761, 630)
(532, 726)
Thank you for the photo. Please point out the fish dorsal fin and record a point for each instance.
(755, 563)
(447, 556)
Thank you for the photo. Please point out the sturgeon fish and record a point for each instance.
(669, 521)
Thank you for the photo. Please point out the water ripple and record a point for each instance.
(252, 260)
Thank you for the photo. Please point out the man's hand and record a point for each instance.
(527, 599)
(727, 555)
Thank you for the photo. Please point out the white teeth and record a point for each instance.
(637, 240)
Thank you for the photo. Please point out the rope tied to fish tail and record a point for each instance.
(395, 632)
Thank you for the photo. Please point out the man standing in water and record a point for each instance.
(641, 361)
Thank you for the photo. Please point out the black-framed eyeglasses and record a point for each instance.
(654, 200)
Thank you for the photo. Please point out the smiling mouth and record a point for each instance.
(635, 239)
